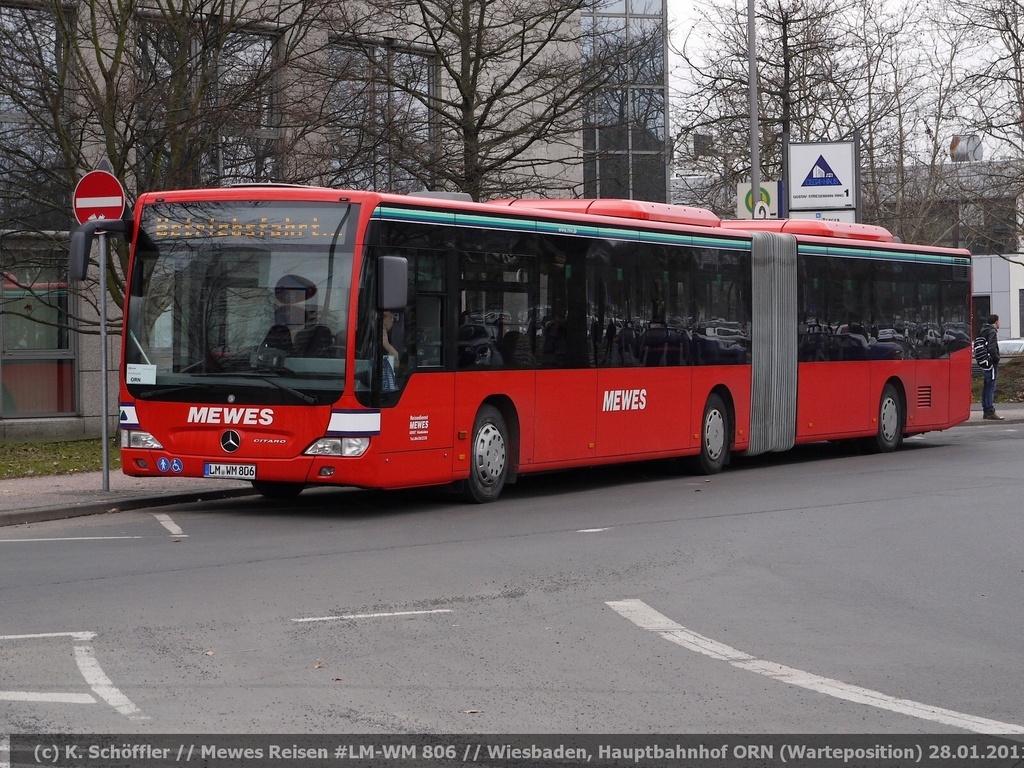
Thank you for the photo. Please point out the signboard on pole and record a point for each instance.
(822, 176)
(98, 195)
(839, 215)
(765, 208)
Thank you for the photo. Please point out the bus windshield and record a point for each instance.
(245, 299)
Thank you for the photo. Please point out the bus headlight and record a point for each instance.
(134, 438)
(354, 446)
(339, 446)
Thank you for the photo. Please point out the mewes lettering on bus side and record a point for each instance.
(300, 336)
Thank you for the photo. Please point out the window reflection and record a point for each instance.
(869, 309)
(36, 367)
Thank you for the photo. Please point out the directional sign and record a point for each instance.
(765, 208)
(98, 195)
(823, 176)
(847, 215)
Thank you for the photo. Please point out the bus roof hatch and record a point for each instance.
(814, 227)
(622, 209)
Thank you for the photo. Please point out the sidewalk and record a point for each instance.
(52, 497)
(35, 499)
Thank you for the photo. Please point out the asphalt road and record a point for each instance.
(822, 591)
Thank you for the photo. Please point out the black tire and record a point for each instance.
(488, 457)
(272, 489)
(890, 422)
(715, 437)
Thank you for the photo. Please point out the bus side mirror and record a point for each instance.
(392, 282)
(81, 243)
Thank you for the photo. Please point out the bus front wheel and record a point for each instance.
(488, 456)
(714, 437)
(277, 490)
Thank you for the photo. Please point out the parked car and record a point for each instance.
(1008, 348)
(1011, 348)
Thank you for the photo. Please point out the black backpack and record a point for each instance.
(981, 355)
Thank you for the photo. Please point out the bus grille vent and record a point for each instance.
(924, 397)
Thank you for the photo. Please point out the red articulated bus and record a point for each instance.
(298, 336)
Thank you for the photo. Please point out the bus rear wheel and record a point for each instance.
(890, 422)
(277, 490)
(488, 457)
(714, 437)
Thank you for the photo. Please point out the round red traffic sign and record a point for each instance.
(98, 195)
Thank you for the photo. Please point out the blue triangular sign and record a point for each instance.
(821, 175)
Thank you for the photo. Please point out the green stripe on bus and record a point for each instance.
(570, 229)
(880, 255)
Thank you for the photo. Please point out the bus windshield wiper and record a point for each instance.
(149, 394)
(270, 380)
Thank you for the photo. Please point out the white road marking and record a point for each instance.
(102, 685)
(371, 615)
(592, 530)
(80, 636)
(72, 538)
(90, 669)
(5, 751)
(647, 618)
(170, 525)
(54, 698)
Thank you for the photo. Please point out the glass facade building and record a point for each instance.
(625, 128)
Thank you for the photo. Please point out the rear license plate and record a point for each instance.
(230, 471)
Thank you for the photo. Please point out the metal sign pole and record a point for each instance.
(755, 135)
(103, 358)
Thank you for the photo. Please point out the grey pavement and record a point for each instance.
(53, 497)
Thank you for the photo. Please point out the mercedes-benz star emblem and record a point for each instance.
(230, 441)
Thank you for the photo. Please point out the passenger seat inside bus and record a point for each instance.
(314, 341)
(278, 337)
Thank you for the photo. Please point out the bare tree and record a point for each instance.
(170, 94)
(803, 75)
(498, 105)
(882, 73)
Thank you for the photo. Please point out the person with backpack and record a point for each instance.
(990, 333)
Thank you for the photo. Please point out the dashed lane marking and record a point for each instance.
(370, 615)
(170, 525)
(47, 698)
(71, 538)
(647, 618)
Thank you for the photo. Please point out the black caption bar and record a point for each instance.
(512, 751)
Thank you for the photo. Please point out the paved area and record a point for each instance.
(34, 499)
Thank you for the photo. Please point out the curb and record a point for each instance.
(103, 506)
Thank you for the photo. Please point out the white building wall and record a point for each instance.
(1002, 279)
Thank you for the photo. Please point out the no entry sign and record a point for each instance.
(98, 195)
